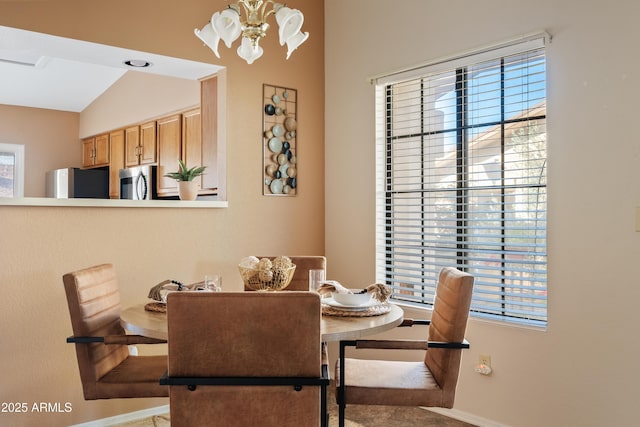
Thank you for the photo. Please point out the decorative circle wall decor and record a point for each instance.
(279, 145)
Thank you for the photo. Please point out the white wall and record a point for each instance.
(582, 369)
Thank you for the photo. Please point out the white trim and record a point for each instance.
(125, 418)
(466, 417)
(510, 47)
(414, 310)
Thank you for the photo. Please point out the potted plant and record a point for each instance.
(187, 187)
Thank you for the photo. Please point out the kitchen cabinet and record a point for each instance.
(132, 146)
(95, 151)
(180, 137)
(192, 141)
(87, 152)
(169, 139)
(116, 161)
(140, 144)
(163, 142)
(213, 154)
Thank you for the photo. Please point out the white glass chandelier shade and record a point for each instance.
(209, 37)
(294, 41)
(228, 25)
(289, 23)
(249, 51)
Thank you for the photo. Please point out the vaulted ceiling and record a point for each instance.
(43, 71)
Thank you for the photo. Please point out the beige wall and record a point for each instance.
(50, 140)
(39, 244)
(138, 97)
(581, 371)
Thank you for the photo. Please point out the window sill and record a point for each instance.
(412, 310)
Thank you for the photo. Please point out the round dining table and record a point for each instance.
(138, 320)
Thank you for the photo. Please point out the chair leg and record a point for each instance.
(324, 414)
(341, 415)
(342, 388)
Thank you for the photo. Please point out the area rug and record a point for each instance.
(356, 416)
(362, 416)
(153, 421)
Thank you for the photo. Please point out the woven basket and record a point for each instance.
(275, 279)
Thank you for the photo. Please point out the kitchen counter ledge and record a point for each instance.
(111, 203)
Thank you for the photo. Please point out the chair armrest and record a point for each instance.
(132, 339)
(116, 339)
(242, 381)
(192, 382)
(452, 345)
(392, 344)
(411, 322)
(408, 344)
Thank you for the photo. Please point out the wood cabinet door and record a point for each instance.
(192, 141)
(215, 173)
(87, 152)
(101, 157)
(131, 143)
(169, 151)
(116, 148)
(147, 151)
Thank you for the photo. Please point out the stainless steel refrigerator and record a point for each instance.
(72, 183)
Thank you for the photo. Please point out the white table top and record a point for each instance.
(139, 321)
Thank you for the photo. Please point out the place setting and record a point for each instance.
(158, 293)
(339, 300)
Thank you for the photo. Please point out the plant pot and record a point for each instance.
(188, 190)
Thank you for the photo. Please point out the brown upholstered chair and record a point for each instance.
(107, 370)
(246, 359)
(300, 280)
(431, 382)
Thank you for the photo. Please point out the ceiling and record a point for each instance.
(43, 71)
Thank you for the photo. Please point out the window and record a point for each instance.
(11, 170)
(461, 180)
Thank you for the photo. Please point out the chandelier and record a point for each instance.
(228, 25)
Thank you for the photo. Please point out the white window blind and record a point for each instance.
(461, 180)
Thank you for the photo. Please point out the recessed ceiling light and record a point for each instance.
(138, 63)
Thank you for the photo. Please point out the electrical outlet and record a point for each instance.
(485, 360)
(484, 365)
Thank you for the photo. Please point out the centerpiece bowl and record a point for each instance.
(266, 279)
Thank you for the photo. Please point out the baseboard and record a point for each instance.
(125, 418)
(466, 417)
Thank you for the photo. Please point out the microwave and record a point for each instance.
(138, 183)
